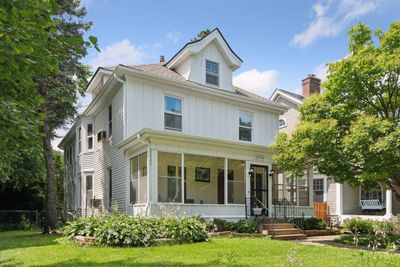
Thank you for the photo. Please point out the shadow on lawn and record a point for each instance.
(24, 239)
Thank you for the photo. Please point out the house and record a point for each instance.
(174, 137)
(343, 200)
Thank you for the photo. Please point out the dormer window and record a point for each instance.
(282, 123)
(212, 73)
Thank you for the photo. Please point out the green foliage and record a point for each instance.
(201, 35)
(122, 230)
(246, 226)
(241, 226)
(314, 224)
(357, 225)
(351, 132)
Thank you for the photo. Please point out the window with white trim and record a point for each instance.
(318, 188)
(212, 73)
(245, 126)
(172, 113)
(89, 190)
(282, 123)
(90, 136)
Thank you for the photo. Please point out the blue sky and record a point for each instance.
(280, 42)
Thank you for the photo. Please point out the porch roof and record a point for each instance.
(147, 135)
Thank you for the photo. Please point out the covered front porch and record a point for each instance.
(173, 173)
(350, 201)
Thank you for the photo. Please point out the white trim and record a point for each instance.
(285, 95)
(212, 74)
(339, 199)
(246, 127)
(282, 126)
(172, 112)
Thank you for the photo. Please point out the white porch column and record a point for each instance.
(339, 199)
(183, 177)
(389, 212)
(310, 177)
(270, 190)
(226, 181)
(152, 176)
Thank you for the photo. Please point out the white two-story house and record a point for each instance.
(175, 136)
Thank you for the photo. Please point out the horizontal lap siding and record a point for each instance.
(107, 155)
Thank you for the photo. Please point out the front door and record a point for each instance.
(259, 185)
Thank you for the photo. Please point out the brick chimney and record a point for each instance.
(162, 59)
(311, 85)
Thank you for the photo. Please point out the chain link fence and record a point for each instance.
(21, 219)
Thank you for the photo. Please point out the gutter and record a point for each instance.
(124, 104)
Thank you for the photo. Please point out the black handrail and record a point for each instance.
(267, 215)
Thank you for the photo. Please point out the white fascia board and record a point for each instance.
(269, 106)
(277, 93)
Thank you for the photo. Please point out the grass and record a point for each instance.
(28, 248)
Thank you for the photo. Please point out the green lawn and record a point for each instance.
(27, 248)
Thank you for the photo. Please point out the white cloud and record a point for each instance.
(174, 36)
(321, 71)
(122, 52)
(258, 82)
(328, 25)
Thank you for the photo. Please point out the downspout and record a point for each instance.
(124, 105)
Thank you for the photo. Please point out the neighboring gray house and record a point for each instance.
(343, 200)
(175, 136)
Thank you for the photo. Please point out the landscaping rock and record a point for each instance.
(321, 232)
(84, 240)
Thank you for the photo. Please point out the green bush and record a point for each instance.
(223, 225)
(357, 225)
(314, 224)
(246, 226)
(122, 230)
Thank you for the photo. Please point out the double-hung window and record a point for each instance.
(89, 190)
(245, 126)
(172, 113)
(90, 136)
(109, 121)
(212, 73)
(318, 188)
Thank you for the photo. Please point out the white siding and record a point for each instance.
(202, 115)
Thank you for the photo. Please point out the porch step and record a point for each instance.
(290, 237)
(291, 231)
(278, 226)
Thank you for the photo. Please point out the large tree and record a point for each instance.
(351, 132)
(59, 90)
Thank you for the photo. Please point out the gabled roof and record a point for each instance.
(195, 46)
(293, 97)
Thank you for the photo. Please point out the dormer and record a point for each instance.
(208, 61)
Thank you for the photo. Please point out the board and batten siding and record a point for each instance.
(108, 156)
(202, 115)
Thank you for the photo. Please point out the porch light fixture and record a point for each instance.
(251, 171)
(271, 173)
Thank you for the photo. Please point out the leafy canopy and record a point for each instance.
(351, 132)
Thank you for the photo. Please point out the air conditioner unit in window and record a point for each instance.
(101, 136)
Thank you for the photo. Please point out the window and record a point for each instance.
(109, 187)
(282, 123)
(89, 190)
(372, 193)
(245, 126)
(79, 140)
(109, 121)
(90, 136)
(138, 179)
(173, 113)
(212, 73)
(318, 188)
(304, 199)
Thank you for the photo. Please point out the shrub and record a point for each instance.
(122, 230)
(314, 224)
(223, 225)
(357, 225)
(246, 226)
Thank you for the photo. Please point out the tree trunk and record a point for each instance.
(51, 184)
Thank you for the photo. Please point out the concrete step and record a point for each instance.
(290, 237)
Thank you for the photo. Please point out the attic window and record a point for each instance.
(282, 123)
(212, 73)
